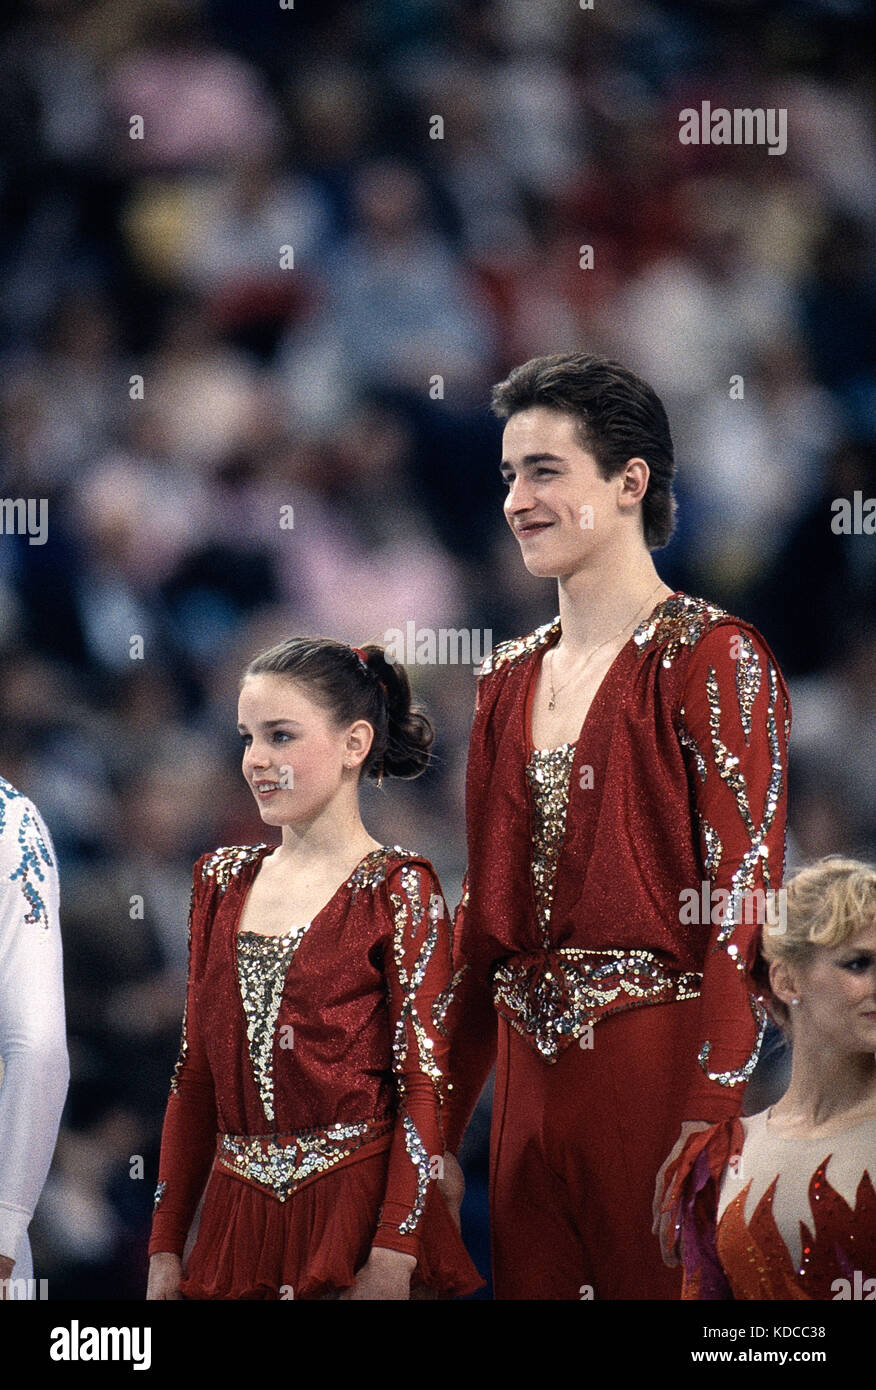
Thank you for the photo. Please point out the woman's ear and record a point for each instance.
(784, 983)
(357, 743)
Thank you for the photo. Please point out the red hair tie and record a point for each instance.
(364, 660)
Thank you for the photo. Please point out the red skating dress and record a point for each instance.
(308, 1088)
(605, 935)
(766, 1216)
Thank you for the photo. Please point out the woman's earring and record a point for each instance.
(795, 1001)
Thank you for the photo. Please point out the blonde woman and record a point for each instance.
(781, 1205)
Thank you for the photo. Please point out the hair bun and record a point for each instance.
(409, 732)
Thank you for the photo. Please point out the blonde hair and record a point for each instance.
(827, 904)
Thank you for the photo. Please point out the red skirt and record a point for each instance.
(251, 1245)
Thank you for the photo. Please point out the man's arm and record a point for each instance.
(734, 724)
(472, 1030)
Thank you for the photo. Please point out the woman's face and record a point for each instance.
(295, 758)
(837, 994)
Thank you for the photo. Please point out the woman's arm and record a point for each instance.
(188, 1140)
(32, 1026)
(418, 972)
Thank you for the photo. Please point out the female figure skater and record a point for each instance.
(782, 1204)
(313, 1060)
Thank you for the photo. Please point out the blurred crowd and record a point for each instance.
(258, 259)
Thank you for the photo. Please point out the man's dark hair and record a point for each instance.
(618, 417)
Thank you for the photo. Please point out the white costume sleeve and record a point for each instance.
(33, 1042)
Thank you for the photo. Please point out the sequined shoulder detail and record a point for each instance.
(516, 648)
(32, 853)
(372, 869)
(679, 622)
(228, 861)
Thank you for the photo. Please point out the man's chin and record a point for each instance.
(545, 566)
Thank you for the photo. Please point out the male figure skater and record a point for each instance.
(626, 813)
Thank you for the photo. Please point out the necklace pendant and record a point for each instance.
(551, 702)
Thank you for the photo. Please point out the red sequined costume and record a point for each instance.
(765, 1216)
(308, 1088)
(623, 1009)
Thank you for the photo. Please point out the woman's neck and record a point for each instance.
(327, 841)
(827, 1085)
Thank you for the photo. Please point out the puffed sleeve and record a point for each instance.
(188, 1139)
(472, 1032)
(33, 1044)
(693, 1182)
(735, 722)
(419, 975)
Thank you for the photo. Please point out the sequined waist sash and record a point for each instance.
(550, 997)
(283, 1163)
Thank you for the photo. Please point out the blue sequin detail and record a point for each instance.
(35, 854)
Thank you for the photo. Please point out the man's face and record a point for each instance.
(558, 506)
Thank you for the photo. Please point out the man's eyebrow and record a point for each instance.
(529, 460)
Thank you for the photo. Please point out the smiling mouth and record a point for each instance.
(265, 788)
(532, 527)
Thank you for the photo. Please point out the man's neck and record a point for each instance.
(597, 602)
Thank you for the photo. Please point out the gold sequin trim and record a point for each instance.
(372, 869)
(734, 1078)
(678, 622)
(227, 862)
(184, 1041)
(420, 1159)
(408, 906)
(554, 998)
(411, 885)
(726, 762)
(687, 740)
(410, 981)
(748, 677)
(744, 878)
(714, 848)
(280, 1163)
(444, 1000)
(513, 650)
(262, 963)
(548, 773)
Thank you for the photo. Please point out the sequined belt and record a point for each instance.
(550, 997)
(282, 1163)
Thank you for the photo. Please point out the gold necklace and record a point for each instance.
(628, 623)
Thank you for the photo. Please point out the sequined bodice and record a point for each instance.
(548, 772)
(262, 963)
